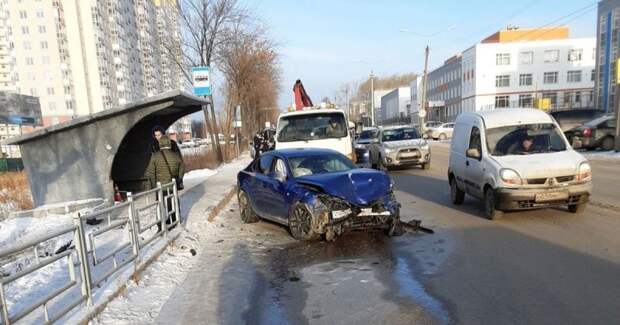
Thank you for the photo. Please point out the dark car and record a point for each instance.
(598, 133)
(362, 142)
(316, 192)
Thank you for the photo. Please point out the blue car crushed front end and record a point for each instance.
(354, 199)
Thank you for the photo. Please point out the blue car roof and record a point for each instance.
(302, 152)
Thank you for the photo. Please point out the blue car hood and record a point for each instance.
(358, 186)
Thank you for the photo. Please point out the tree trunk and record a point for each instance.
(218, 148)
(214, 140)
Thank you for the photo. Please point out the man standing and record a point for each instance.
(157, 133)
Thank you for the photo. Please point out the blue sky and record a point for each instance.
(328, 43)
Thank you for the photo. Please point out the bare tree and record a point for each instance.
(203, 31)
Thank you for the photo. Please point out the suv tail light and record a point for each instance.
(587, 132)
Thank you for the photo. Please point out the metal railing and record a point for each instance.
(96, 263)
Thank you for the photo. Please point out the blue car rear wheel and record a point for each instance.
(245, 208)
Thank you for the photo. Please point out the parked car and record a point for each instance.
(362, 142)
(441, 132)
(399, 146)
(427, 125)
(316, 192)
(597, 133)
(516, 159)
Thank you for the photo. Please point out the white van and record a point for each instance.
(516, 159)
(315, 128)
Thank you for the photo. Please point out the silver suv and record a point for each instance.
(399, 146)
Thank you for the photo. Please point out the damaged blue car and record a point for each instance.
(316, 192)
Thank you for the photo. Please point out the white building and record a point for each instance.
(415, 90)
(394, 105)
(81, 57)
(517, 68)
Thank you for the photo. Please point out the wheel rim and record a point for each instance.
(243, 204)
(302, 218)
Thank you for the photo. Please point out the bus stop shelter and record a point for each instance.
(86, 157)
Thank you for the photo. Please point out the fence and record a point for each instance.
(92, 259)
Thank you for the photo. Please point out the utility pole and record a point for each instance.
(424, 80)
(617, 112)
(372, 99)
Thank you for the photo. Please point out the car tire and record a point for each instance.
(443, 136)
(456, 195)
(489, 205)
(245, 208)
(607, 143)
(300, 223)
(577, 208)
(426, 165)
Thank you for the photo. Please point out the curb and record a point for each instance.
(97, 309)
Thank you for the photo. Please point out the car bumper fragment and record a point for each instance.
(524, 199)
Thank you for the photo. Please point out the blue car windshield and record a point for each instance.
(312, 165)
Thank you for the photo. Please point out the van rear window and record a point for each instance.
(312, 127)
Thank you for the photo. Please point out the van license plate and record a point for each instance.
(551, 196)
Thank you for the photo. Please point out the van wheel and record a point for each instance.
(577, 208)
(456, 195)
(489, 205)
(608, 144)
(442, 136)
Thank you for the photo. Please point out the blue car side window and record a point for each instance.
(265, 163)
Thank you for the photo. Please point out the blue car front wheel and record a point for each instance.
(300, 223)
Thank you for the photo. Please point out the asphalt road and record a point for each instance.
(538, 267)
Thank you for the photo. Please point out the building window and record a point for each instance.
(573, 76)
(23, 14)
(45, 59)
(502, 101)
(525, 79)
(50, 90)
(502, 81)
(29, 61)
(41, 29)
(575, 55)
(593, 75)
(51, 106)
(502, 59)
(33, 91)
(25, 30)
(550, 78)
(552, 55)
(553, 98)
(526, 57)
(27, 46)
(43, 45)
(526, 100)
(40, 14)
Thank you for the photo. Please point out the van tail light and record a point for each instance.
(587, 132)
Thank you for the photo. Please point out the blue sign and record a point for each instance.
(202, 81)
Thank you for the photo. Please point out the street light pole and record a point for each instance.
(372, 99)
(424, 81)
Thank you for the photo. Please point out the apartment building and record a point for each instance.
(81, 57)
(394, 106)
(444, 90)
(608, 23)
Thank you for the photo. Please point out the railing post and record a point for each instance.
(80, 246)
(162, 209)
(175, 198)
(133, 227)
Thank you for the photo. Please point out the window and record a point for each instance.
(502, 101)
(575, 55)
(43, 45)
(29, 61)
(550, 78)
(525, 100)
(474, 140)
(25, 30)
(526, 57)
(45, 59)
(33, 91)
(265, 164)
(51, 106)
(41, 29)
(553, 98)
(502, 81)
(593, 75)
(27, 46)
(573, 76)
(279, 168)
(552, 55)
(502, 59)
(50, 90)
(23, 14)
(525, 79)
(40, 14)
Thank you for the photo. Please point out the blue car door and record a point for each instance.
(275, 190)
(259, 185)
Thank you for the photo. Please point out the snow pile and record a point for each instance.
(199, 173)
(602, 155)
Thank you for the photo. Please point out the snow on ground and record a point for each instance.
(602, 155)
(199, 173)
